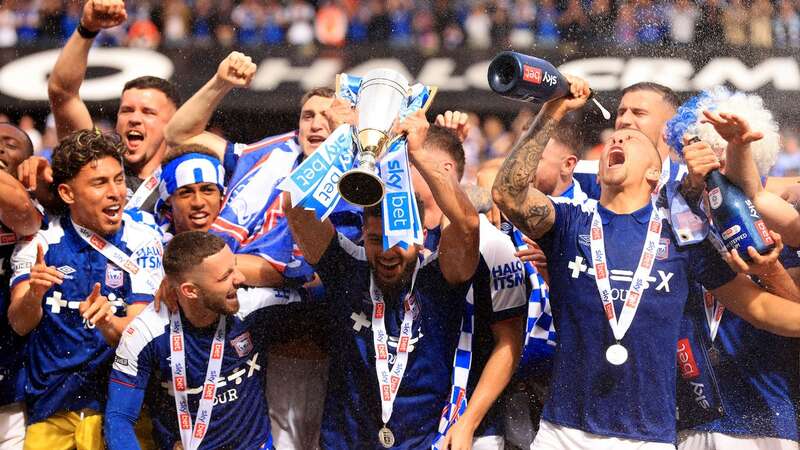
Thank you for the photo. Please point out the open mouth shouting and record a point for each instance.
(134, 139)
(200, 219)
(113, 213)
(616, 157)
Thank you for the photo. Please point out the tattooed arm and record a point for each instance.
(514, 189)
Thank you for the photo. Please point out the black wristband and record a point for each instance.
(85, 33)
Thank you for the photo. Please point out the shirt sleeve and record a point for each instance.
(122, 411)
(708, 267)
(24, 257)
(126, 388)
(340, 258)
(507, 278)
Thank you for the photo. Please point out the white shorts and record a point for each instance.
(703, 440)
(557, 437)
(296, 396)
(12, 426)
(488, 443)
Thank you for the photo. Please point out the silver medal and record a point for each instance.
(386, 437)
(617, 354)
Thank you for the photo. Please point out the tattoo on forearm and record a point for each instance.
(519, 168)
(527, 208)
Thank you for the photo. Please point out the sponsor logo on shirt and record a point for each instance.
(120, 360)
(148, 257)
(8, 238)
(508, 275)
(67, 271)
(379, 309)
(686, 362)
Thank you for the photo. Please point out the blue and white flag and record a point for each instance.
(313, 184)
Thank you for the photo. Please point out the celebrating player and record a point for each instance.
(75, 287)
(603, 365)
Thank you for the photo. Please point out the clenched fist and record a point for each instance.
(102, 14)
(236, 70)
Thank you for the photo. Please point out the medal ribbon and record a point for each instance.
(115, 255)
(389, 378)
(462, 362)
(602, 273)
(148, 186)
(714, 311)
(192, 436)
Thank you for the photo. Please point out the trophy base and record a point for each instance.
(361, 188)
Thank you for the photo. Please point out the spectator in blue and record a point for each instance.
(547, 24)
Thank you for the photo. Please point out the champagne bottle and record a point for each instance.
(522, 77)
(735, 217)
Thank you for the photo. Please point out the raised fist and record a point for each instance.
(102, 14)
(236, 70)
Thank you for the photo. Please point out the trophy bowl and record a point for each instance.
(382, 95)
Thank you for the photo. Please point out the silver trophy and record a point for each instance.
(381, 96)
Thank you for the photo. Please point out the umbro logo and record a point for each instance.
(67, 271)
(584, 240)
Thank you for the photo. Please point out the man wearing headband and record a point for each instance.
(252, 222)
(75, 287)
(191, 189)
(18, 218)
(191, 195)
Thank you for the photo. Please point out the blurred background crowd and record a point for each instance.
(426, 26)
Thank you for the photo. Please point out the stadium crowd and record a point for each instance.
(164, 287)
(430, 25)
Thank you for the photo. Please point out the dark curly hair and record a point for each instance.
(79, 149)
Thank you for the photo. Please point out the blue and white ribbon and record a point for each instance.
(540, 324)
(462, 362)
(401, 222)
(313, 184)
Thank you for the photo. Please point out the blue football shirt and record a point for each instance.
(757, 375)
(637, 399)
(352, 414)
(67, 362)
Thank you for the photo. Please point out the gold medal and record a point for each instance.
(386, 437)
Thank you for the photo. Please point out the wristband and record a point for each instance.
(86, 33)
